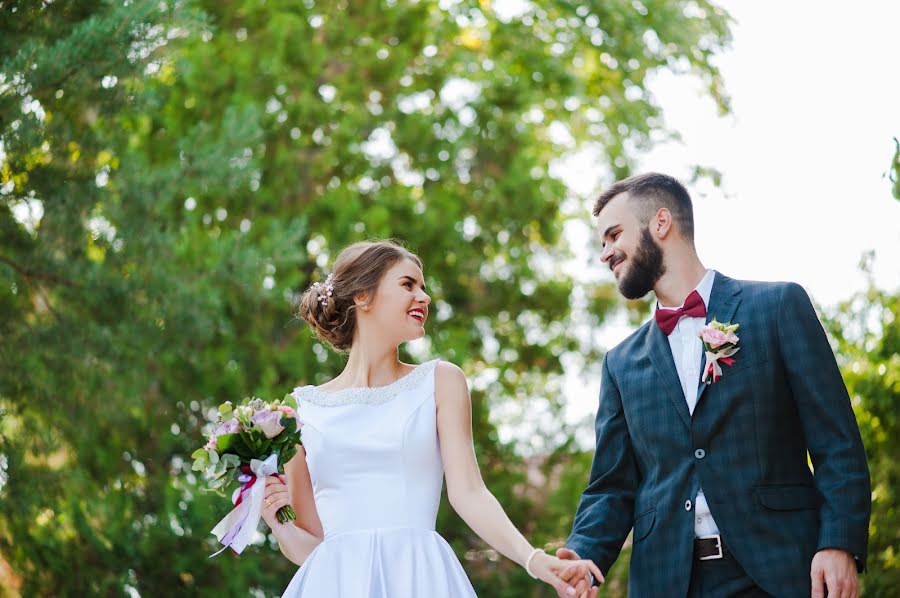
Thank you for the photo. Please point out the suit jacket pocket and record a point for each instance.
(642, 526)
(789, 497)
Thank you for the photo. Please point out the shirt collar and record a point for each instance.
(704, 287)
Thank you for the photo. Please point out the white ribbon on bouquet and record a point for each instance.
(237, 528)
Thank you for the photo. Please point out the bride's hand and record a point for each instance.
(564, 575)
(277, 496)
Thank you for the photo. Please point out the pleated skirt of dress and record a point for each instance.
(381, 563)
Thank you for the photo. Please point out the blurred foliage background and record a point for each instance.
(173, 173)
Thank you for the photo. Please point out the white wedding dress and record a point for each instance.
(376, 471)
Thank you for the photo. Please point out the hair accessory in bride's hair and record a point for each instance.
(325, 290)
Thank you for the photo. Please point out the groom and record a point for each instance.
(714, 477)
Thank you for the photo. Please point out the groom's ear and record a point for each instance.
(661, 224)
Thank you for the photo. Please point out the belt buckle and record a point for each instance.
(718, 539)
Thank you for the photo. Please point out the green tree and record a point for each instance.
(866, 332)
(174, 173)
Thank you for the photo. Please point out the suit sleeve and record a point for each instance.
(829, 425)
(605, 513)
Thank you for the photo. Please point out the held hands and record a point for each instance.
(277, 496)
(575, 574)
(549, 568)
(835, 570)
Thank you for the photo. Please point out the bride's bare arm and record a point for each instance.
(300, 487)
(299, 539)
(466, 490)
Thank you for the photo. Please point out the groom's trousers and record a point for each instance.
(722, 578)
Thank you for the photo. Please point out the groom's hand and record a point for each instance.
(834, 570)
(583, 587)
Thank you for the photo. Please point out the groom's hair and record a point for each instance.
(648, 193)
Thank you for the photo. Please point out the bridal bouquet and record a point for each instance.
(250, 441)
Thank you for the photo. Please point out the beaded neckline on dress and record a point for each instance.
(365, 395)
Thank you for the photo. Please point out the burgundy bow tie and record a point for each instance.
(693, 308)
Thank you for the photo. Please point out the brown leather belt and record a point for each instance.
(708, 548)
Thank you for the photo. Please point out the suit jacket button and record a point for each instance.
(687, 505)
(699, 453)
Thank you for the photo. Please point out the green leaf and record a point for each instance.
(287, 454)
(290, 401)
(256, 441)
(264, 447)
(290, 425)
(234, 443)
(231, 461)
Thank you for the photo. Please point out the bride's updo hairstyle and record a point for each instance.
(328, 306)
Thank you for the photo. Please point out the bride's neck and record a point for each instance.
(370, 366)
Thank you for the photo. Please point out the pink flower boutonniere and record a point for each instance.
(719, 344)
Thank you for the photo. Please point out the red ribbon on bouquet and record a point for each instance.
(248, 483)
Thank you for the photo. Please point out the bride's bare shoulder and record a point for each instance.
(449, 372)
(450, 385)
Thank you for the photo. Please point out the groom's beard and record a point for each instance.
(645, 269)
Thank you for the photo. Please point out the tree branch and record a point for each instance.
(34, 274)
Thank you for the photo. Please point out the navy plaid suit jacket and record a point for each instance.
(784, 396)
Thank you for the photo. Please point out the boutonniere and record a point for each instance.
(719, 344)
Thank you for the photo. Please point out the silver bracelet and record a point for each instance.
(528, 562)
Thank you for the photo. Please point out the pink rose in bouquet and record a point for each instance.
(269, 422)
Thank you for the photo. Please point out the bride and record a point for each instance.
(378, 441)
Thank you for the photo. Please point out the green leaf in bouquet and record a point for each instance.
(217, 483)
(254, 439)
(225, 410)
(290, 401)
(219, 468)
(264, 447)
(257, 434)
(287, 453)
(234, 443)
(231, 461)
(213, 457)
(201, 459)
(290, 425)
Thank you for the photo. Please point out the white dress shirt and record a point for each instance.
(687, 352)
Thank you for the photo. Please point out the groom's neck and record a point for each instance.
(684, 271)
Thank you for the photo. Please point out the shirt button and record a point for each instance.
(699, 453)
(699, 520)
(687, 505)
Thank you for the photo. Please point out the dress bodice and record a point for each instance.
(373, 453)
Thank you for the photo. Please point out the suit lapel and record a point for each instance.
(723, 302)
(661, 355)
